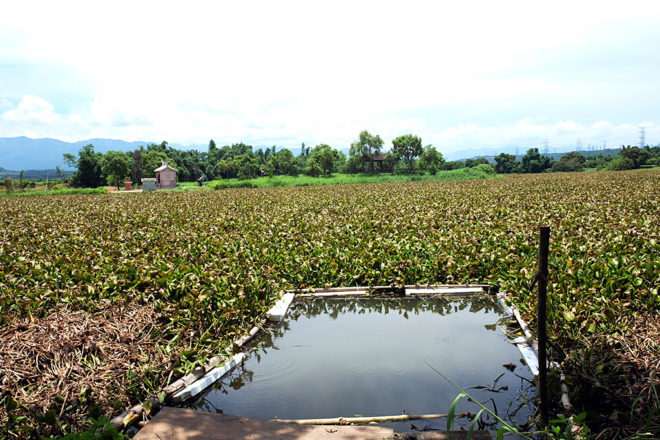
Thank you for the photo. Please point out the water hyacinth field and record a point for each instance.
(105, 299)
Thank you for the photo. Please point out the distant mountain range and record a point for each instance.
(23, 153)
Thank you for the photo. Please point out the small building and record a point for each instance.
(165, 176)
(148, 184)
(382, 159)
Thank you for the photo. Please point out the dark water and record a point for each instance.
(371, 357)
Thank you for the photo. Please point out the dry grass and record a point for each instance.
(72, 361)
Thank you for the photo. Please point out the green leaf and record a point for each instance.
(473, 424)
(452, 412)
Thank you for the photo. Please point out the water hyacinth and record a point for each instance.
(208, 264)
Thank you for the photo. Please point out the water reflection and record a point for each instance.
(371, 356)
(441, 305)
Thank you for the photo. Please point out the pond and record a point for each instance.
(373, 357)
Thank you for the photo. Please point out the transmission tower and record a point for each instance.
(578, 144)
(642, 137)
(546, 148)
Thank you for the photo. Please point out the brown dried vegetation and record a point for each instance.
(76, 362)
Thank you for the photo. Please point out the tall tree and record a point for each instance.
(287, 163)
(137, 166)
(637, 155)
(431, 159)
(572, 161)
(408, 147)
(89, 168)
(116, 165)
(367, 145)
(506, 164)
(325, 156)
(534, 162)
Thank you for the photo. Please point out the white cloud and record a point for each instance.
(479, 73)
(32, 109)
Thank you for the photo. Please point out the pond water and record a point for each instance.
(373, 357)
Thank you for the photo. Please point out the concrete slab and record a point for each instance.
(278, 311)
(187, 424)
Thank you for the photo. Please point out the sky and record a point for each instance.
(461, 75)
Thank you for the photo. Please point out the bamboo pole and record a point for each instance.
(360, 420)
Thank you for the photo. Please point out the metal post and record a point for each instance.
(542, 275)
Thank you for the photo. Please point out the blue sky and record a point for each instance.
(468, 75)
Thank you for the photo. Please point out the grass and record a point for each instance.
(54, 192)
(343, 179)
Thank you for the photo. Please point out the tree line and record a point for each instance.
(630, 157)
(366, 155)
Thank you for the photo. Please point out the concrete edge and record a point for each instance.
(278, 311)
(209, 378)
(526, 350)
(529, 353)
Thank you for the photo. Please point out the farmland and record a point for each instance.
(140, 287)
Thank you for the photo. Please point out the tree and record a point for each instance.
(621, 164)
(88, 173)
(533, 162)
(324, 156)
(137, 166)
(60, 173)
(287, 163)
(21, 181)
(470, 163)
(430, 159)
(116, 165)
(246, 166)
(154, 159)
(637, 155)
(9, 184)
(408, 147)
(313, 168)
(227, 168)
(70, 160)
(453, 165)
(367, 145)
(569, 162)
(506, 164)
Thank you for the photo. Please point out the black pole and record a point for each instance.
(542, 275)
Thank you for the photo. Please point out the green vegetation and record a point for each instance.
(408, 147)
(55, 191)
(118, 296)
(367, 155)
(479, 172)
